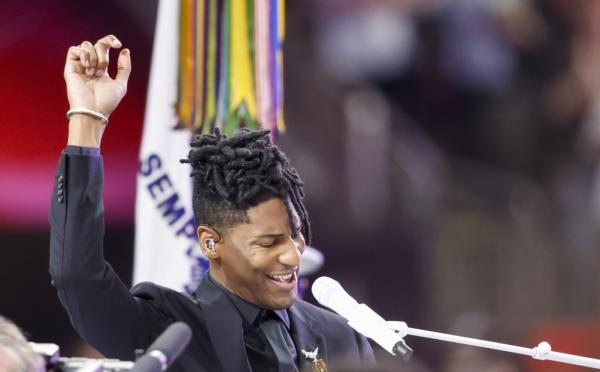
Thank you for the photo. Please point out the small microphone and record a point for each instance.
(165, 349)
(328, 292)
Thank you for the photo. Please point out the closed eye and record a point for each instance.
(269, 243)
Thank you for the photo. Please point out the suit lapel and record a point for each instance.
(305, 334)
(224, 326)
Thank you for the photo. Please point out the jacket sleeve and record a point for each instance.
(100, 306)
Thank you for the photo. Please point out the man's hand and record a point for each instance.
(90, 87)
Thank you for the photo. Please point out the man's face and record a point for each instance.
(260, 259)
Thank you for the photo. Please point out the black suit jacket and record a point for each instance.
(116, 320)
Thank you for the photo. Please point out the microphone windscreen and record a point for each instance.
(147, 363)
(324, 288)
(173, 340)
(328, 292)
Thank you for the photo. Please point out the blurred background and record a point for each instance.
(450, 150)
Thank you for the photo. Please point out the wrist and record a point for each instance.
(85, 131)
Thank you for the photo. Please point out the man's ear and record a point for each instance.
(209, 240)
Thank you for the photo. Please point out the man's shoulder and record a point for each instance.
(321, 315)
(341, 338)
(159, 293)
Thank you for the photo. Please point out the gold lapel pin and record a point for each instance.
(317, 364)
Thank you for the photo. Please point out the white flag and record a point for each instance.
(166, 247)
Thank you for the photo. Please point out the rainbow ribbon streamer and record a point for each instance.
(231, 65)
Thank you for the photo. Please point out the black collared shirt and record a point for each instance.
(260, 354)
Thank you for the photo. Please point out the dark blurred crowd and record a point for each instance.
(463, 181)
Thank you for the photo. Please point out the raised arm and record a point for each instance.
(100, 306)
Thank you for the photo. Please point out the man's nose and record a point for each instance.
(291, 255)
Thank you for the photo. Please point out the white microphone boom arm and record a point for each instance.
(541, 352)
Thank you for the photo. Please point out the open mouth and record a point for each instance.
(284, 278)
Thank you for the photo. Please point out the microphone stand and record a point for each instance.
(541, 352)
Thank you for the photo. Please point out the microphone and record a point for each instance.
(165, 349)
(328, 292)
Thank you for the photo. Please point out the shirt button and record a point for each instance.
(60, 198)
(60, 179)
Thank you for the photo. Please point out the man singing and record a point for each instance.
(252, 226)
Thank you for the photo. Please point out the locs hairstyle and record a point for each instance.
(232, 174)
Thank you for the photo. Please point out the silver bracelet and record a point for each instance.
(88, 112)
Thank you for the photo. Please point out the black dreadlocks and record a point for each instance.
(233, 174)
